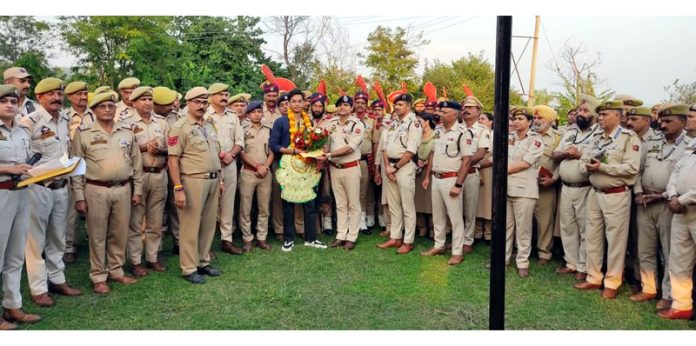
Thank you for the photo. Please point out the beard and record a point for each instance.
(317, 115)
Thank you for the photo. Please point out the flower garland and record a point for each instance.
(293, 126)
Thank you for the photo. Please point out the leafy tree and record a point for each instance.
(681, 92)
(20, 35)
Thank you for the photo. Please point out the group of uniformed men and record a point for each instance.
(150, 163)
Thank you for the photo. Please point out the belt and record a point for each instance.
(363, 157)
(445, 175)
(147, 169)
(7, 185)
(394, 160)
(56, 184)
(345, 165)
(249, 167)
(472, 170)
(108, 183)
(578, 185)
(652, 193)
(610, 190)
(210, 175)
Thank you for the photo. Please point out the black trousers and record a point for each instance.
(310, 220)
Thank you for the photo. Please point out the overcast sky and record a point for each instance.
(639, 55)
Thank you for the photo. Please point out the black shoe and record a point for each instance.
(175, 250)
(195, 278)
(328, 231)
(208, 270)
(366, 231)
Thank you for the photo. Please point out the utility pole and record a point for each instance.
(532, 75)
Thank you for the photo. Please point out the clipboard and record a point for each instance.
(49, 175)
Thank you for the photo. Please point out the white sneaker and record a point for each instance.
(370, 221)
(326, 222)
(288, 245)
(363, 226)
(316, 244)
(380, 218)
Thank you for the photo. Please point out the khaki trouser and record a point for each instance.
(483, 229)
(108, 216)
(367, 191)
(545, 213)
(71, 228)
(343, 182)
(14, 214)
(654, 222)
(573, 208)
(607, 217)
(248, 184)
(471, 193)
(682, 257)
(277, 208)
(152, 209)
(172, 214)
(197, 222)
(47, 222)
(229, 175)
(401, 201)
(447, 209)
(518, 221)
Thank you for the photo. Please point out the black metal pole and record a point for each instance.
(496, 318)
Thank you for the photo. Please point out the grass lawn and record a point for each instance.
(334, 289)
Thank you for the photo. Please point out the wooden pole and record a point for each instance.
(532, 75)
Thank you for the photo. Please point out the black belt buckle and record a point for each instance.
(338, 165)
(152, 170)
(212, 175)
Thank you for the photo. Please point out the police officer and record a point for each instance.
(449, 162)
(525, 148)
(50, 137)
(104, 194)
(124, 109)
(367, 193)
(19, 77)
(403, 138)
(150, 130)
(471, 110)
(347, 133)
(256, 176)
(238, 104)
(612, 163)
(14, 153)
(271, 111)
(78, 113)
(575, 187)
(545, 209)
(659, 155)
(681, 190)
(194, 167)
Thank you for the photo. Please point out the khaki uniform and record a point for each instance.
(482, 139)
(170, 207)
(124, 112)
(197, 147)
(229, 134)
(367, 191)
(49, 203)
(379, 166)
(423, 205)
(270, 116)
(345, 179)
(27, 107)
(75, 121)
(608, 211)
(682, 184)
(14, 149)
(523, 192)
(545, 209)
(114, 159)
(483, 212)
(256, 148)
(402, 135)
(450, 146)
(575, 189)
(654, 220)
(154, 190)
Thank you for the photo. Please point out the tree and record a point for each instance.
(474, 71)
(21, 35)
(577, 77)
(681, 92)
(391, 56)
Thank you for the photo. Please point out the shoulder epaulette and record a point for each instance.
(180, 122)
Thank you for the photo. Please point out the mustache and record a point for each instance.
(57, 102)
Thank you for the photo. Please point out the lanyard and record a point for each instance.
(674, 147)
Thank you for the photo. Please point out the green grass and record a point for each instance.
(334, 289)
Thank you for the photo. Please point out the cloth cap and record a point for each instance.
(344, 99)
(140, 92)
(240, 98)
(472, 101)
(404, 97)
(49, 84)
(679, 109)
(615, 104)
(102, 89)
(217, 88)
(15, 72)
(253, 105)
(450, 104)
(74, 87)
(196, 92)
(99, 98)
(9, 90)
(642, 111)
(129, 83)
(163, 96)
(521, 110)
(628, 100)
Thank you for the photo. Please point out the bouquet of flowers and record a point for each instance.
(313, 141)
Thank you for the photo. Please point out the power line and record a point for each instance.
(450, 25)
(548, 42)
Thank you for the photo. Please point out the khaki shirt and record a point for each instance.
(269, 117)
(256, 141)
(620, 161)
(111, 157)
(350, 133)
(123, 112)
(144, 132)
(14, 147)
(650, 133)
(402, 136)
(450, 146)
(528, 149)
(682, 182)
(171, 118)
(570, 170)
(657, 162)
(76, 119)
(229, 129)
(482, 137)
(551, 139)
(369, 124)
(49, 136)
(196, 145)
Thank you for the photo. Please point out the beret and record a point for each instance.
(679, 109)
(269, 87)
(9, 90)
(74, 87)
(403, 97)
(163, 96)
(344, 99)
(102, 89)
(129, 83)
(140, 92)
(450, 104)
(253, 105)
(99, 98)
(376, 103)
(195, 92)
(217, 88)
(642, 111)
(49, 84)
